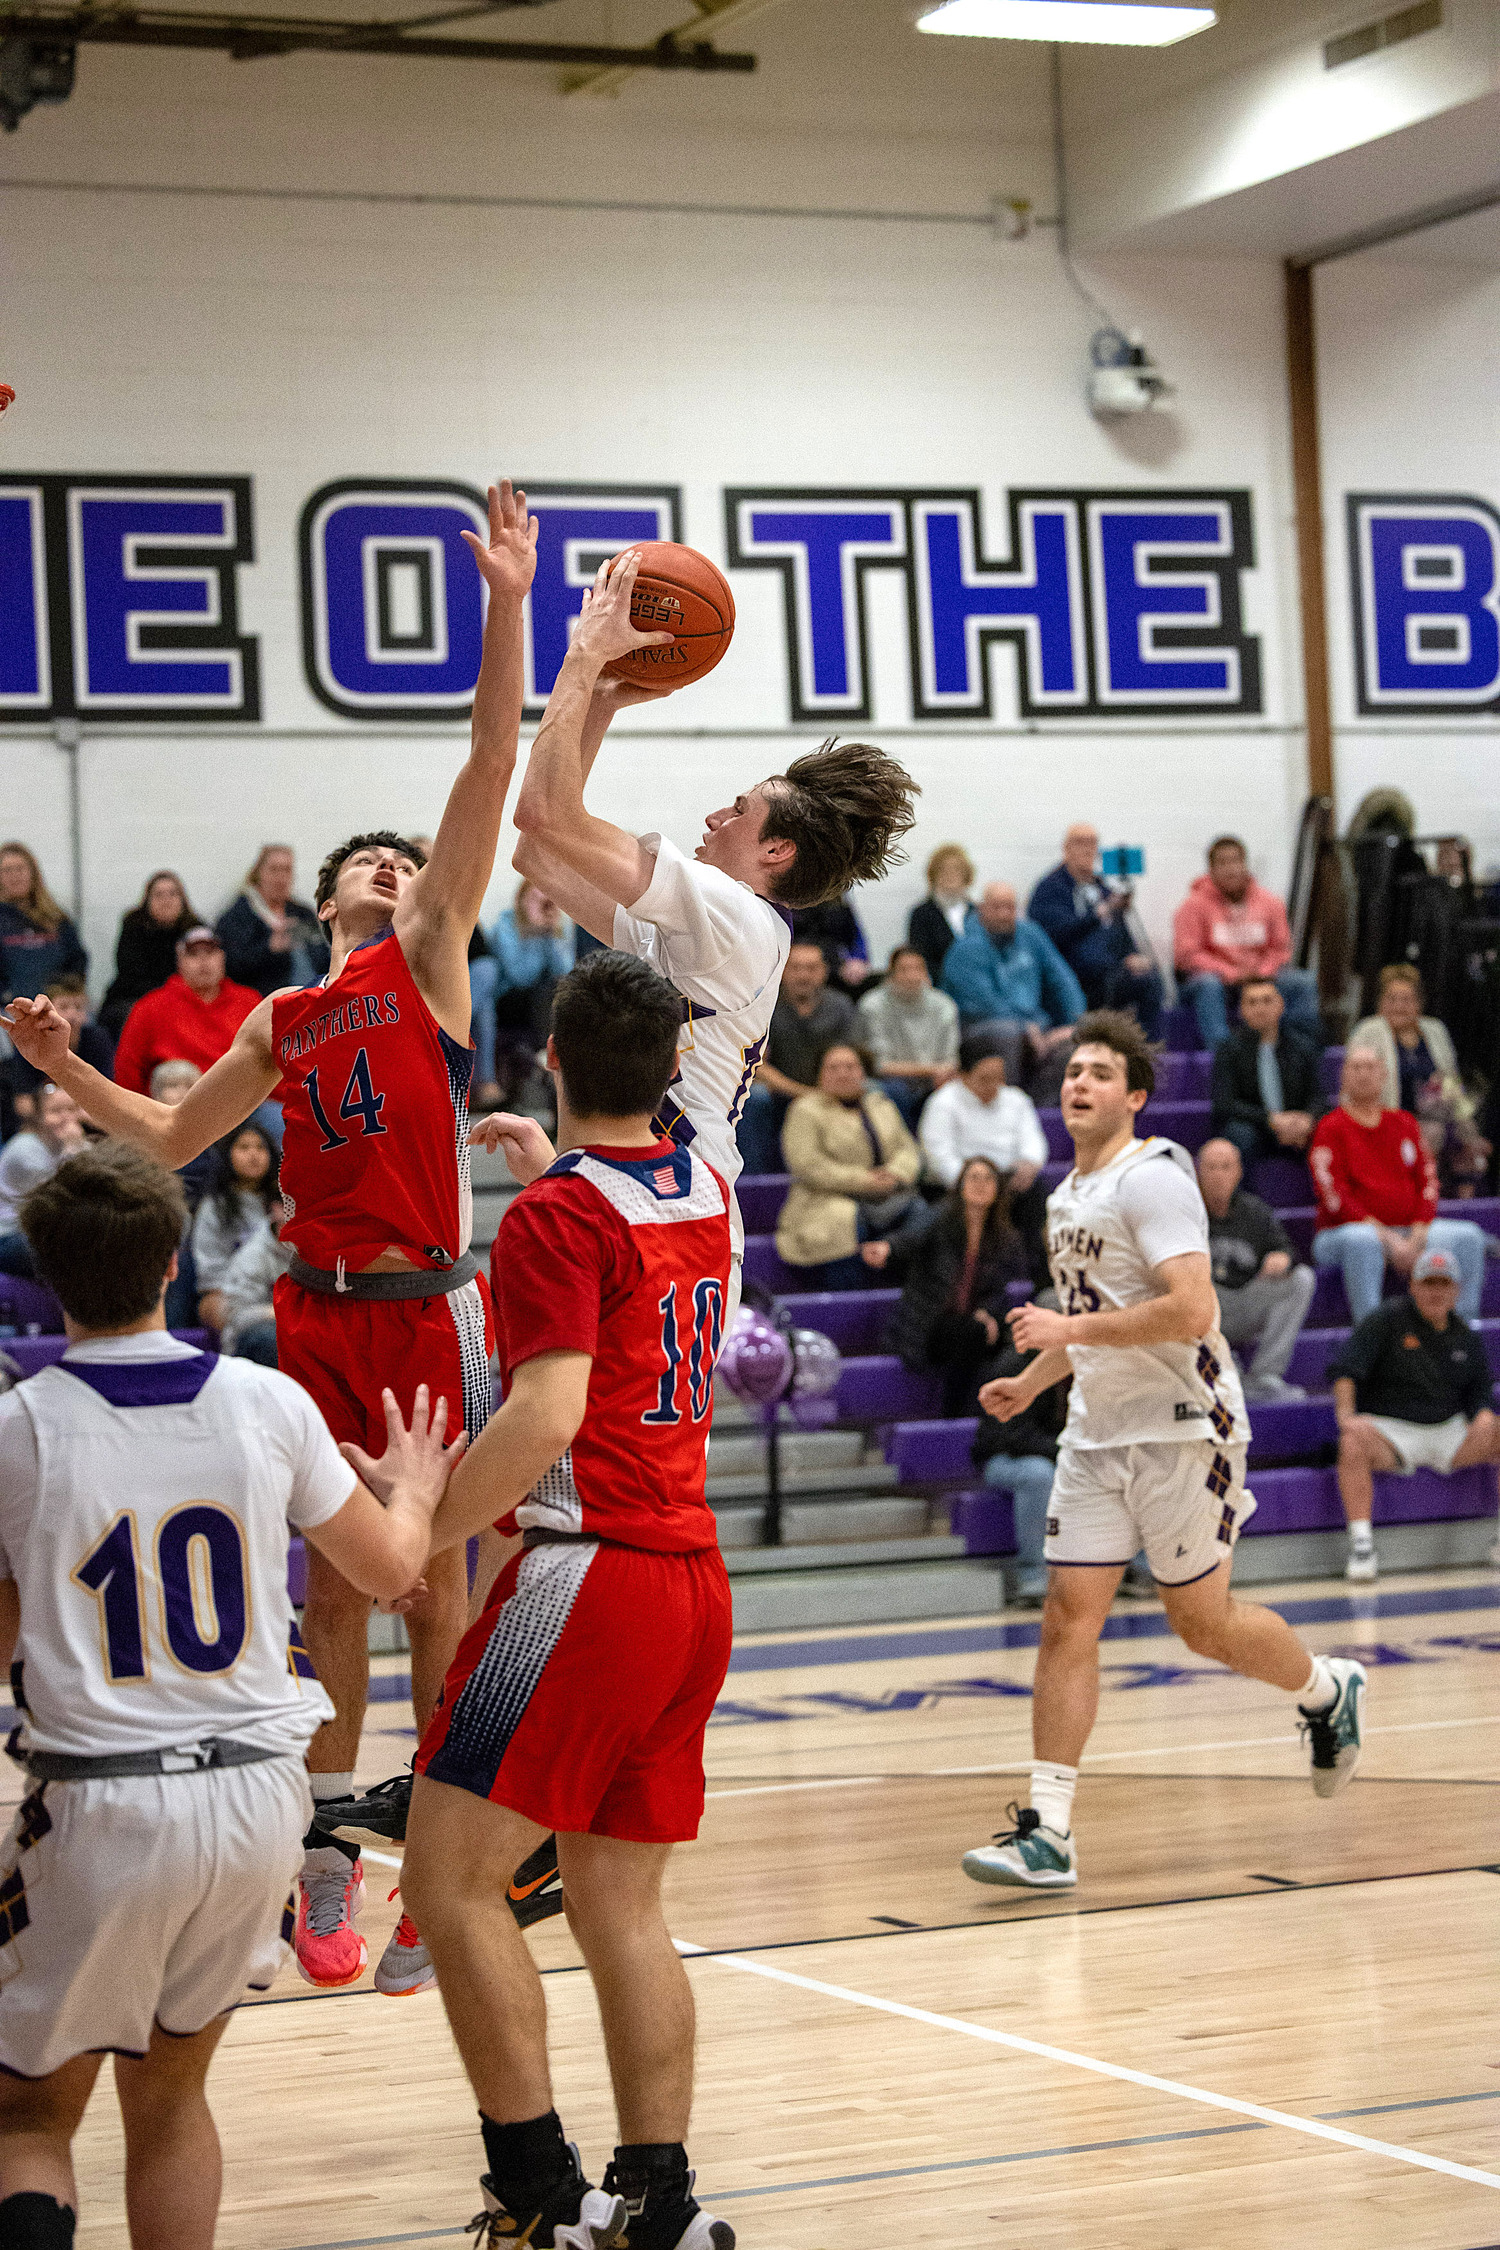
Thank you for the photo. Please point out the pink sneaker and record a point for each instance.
(330, 1892)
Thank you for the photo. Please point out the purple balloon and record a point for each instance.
(756, 1359)
(814, 1413)
(819, 1363)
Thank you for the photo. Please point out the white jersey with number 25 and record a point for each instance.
(1107, 1231)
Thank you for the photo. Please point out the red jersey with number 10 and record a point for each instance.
(376, 1101)
(623, 1254)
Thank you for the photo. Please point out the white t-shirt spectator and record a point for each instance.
(956, 1125)
(922, 1029)
(25, 1161)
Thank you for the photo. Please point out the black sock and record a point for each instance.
(35, 2222)
(526, 2161)
(652, 2170)
(315, 1841)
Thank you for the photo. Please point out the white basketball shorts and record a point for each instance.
(153, 1900)
(1186, 1504)
(1422, 1445)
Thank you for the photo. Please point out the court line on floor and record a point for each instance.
(1090, 1758)
(1315, 2129)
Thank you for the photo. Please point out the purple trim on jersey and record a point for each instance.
(144, 1382)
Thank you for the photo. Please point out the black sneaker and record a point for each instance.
(668, 2218)
(382, 1811)
(536, 1891)
(574, 2216)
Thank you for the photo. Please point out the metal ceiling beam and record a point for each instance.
(718, 14)
(247, 37)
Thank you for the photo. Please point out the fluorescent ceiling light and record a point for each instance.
(1092, 23)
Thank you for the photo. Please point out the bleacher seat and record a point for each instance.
(29, 1304)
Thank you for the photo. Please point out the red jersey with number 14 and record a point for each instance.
(623, 1254)
(376, 1101)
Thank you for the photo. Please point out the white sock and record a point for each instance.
(326, 1785)
(1361, 1536)
(1321, 1688)
(1052, 1790)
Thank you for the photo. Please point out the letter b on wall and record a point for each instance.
(1426, 577)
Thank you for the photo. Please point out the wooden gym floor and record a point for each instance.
(889, 2053)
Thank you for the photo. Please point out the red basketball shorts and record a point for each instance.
(346, 1350)
(579, 1699)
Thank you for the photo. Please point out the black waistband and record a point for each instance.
(122, 1765)
(429, 1282)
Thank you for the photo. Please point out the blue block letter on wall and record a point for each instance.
(1426, 580)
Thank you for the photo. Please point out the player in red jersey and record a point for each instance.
(578, 1701)
(372, 1069)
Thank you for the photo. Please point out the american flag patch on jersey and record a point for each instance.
(664, 1180)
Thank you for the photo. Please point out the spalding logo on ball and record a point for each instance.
(677, 591)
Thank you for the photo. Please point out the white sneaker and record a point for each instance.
(1027, 1857)
(1363, 1564)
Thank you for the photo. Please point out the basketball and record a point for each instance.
(681, 592)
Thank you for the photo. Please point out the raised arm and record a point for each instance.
(550, 812)
(439, 910)
(222, 1098)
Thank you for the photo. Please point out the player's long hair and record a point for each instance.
(39, 906)
(845, 806)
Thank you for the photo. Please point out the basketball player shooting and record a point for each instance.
(372, 1069)
(1152, 1454)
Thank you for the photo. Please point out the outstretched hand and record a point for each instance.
(508, 563)
(528, 1151)
(415, 1463)
(39, 1032)
(604, 628)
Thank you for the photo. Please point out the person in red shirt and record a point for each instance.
(1230, 928)
(193, 1017)
(578, 1701)
(371, 1069)
(1377, 1191)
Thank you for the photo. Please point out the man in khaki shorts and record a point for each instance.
(145, 1494)
(1152, 1454)
(1411, 1390)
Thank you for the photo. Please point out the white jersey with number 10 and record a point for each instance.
(724, 948)
(1107, 1231)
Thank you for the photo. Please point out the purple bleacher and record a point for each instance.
(1484, 1210)
(855, 1319)
(32, 1353)
(1281, 1181)
(880, 1389)
(1189, 1122)
(1317, 1346)
(922, 1452)
(29, 1304)
(985, 1521)
(760, 1196)
(1308, 1499)
(762, 1265)
(1179, 1028)
(1330, 1307)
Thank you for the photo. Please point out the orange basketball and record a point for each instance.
(677, 591)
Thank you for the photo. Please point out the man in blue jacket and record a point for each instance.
(1011, 982)
(1087, 923)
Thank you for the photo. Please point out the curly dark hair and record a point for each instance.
(844, 806)
(226, 1186)
(1109, 1027)
(328, 873)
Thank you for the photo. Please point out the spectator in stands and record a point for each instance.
(1020, 1457)
(37, 941)
(955, 1263)
(1377, 1192)
(271, 939)
(511, 984)
(242, 1191)
(170, 1082)
(1264, 1295)
(25, 1161)
(854, 1170)
(1011, 982)
(193, 1017)
(146, 948)
(1228, 928)
(69, 996)
(806, 1021)
(911, 1031)
(1411, 1390)
(247, 1288)
(1267, 1084)
(834, 928)
(977, 1114)
(1089, 926)
(1421, 1075)
(947, 912)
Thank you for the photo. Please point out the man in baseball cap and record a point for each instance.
(1411, 1390)
(193, 1017)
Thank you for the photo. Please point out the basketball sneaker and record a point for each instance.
(574, 2216)
(536, 1892)
(382, 1811)
(1334, 1736)
(406, 1965)
(1363, 1563)
(667, 2217)
(1027, 1857)
(330, 1892)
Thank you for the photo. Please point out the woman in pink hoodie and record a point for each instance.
(1230, 927)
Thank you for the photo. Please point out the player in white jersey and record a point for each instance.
(1152, 1454)
(145, 1494)
(717, 926)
